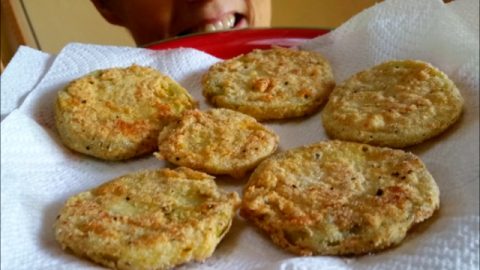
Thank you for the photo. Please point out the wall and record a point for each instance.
(58, 22)
(316, 13)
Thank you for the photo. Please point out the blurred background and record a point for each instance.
(48, 25)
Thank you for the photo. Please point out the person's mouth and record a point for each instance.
(226, 22)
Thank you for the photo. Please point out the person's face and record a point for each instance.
(153, 20)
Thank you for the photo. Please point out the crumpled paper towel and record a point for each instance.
(38, 174)
(25, 70)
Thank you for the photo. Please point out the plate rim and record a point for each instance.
(176, 42)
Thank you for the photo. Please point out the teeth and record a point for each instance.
(209, 28)
(226, 22)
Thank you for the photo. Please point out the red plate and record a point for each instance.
(227, 44)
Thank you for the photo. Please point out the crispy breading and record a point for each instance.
(277, 83)
(396, 104)
(339, 198)
(148, 219)
(117, 113)
(217, 141)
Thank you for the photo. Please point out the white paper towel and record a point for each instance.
(26, 68)
(38, 174)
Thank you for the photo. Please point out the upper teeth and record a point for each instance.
(226, 22)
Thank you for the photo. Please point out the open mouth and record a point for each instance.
(229, 21)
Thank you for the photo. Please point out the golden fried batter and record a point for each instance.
(117, 113)
(147, 220)
(339, 198)
(395, 104)
(217, 141)
(270, 84)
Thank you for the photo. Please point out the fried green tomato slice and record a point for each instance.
(217, 141)
(276, 83)
(339, 198)
(147, 220)
(117, 113)
(395, 104)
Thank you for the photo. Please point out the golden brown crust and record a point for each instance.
(395, 104)
(147, 220)
(217, 141)
(117, 113)
(270, 84)
(339, 198)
